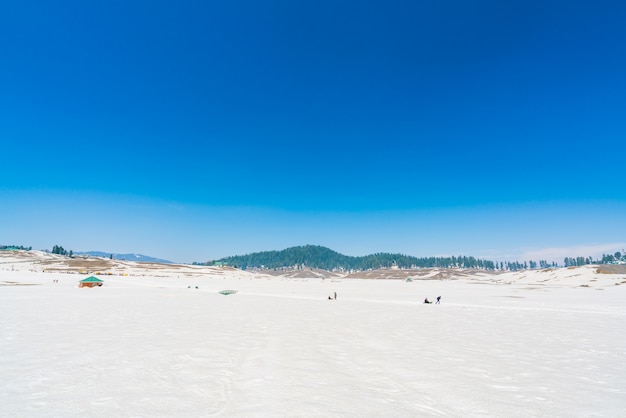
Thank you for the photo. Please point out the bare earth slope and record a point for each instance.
(53, 263)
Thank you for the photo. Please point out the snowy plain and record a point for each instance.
(527, 344)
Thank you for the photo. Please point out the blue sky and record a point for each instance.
(195, 130)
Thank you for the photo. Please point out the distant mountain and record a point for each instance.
(314, 256)
(126, 257)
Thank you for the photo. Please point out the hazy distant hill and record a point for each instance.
(324, 258)
(127, 257)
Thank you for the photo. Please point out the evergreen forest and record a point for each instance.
(314, 256)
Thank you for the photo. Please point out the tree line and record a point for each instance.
(606, 259)
(57, 249)
(323, 258)
(15, 247)
(313, 256)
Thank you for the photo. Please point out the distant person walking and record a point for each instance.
(438, 300)
(335, 295)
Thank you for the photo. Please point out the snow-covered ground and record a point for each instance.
(541, 343)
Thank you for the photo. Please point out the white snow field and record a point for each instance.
(530, 344)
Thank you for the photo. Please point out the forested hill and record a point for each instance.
(323, 258)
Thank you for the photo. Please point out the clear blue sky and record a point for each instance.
(193, 130)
